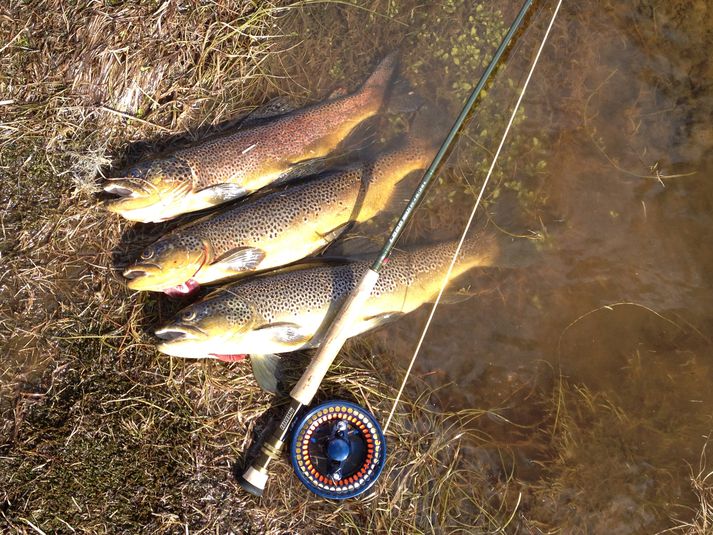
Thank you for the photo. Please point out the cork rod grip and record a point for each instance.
(334, 339)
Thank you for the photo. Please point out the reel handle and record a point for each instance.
(334, 339)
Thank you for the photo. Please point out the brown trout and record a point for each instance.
(291, 309)
(278, 228)
(267, 149)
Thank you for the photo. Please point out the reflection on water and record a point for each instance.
(594, 358)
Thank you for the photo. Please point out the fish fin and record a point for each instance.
(378, 202)
(333, 234)
(241, 259)
(285, 332)
(266, 371)
(427, 128)
(220, 193)
(374, 321)
(404, 189)
(301, 169)
(403, 98)
(453, 297)
(381, 77)
(338, 93)
(276, 107)
(396, 94)
(351, 247)
(229, 358)
(519, 252)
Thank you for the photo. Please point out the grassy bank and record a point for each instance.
(100, 434)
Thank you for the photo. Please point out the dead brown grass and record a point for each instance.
(702, 516)
(99, 433)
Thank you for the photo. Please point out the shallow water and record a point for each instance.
(592, 355)
(586, 358)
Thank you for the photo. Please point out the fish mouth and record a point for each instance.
(140, 200)
(126, 187)
(140, 270)
(144, 277)
(125, 205)
(179, 333)
(131, 194)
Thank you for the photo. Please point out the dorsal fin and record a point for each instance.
(339, 92)
(276, 107)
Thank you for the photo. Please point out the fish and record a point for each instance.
(290, 309)
(273, 145)
(278, 228)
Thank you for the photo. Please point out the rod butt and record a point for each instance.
(253, 481)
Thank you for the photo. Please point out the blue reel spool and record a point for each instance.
(338, 450)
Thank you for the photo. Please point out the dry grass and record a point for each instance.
(99, 434)
(702, 519)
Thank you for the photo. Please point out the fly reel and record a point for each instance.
(338, 450)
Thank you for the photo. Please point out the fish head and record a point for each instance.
(208, 328)
(168, 263)
(151, 191)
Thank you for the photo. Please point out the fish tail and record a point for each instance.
(381, 78)
(428, 127)
(481, 248)
(421, 148)
(378, 84)
(391, 93)
(487, 248)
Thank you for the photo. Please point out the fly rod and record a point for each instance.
(255, 476)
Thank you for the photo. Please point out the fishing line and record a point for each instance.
(470, 219)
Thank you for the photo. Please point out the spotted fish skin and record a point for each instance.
(281, 227)
(240, 163)
(291, 309)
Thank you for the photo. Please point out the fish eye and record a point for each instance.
(148, 253)
(188, 315)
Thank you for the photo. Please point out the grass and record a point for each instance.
(702, 515)
(100, 434)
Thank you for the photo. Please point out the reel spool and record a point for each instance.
(338, 450)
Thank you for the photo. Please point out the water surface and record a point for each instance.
(593, 355)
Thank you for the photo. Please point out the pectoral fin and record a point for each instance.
(266, 369)
(285, 333)
(220, 193)
(241, 259)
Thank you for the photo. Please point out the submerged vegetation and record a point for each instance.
(100, 434)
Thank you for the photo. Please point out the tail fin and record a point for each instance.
(481, 248)
(380, 79)
(430, 125)
(395, 95)
(417, 147)
(516, 252)
(490, 248)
